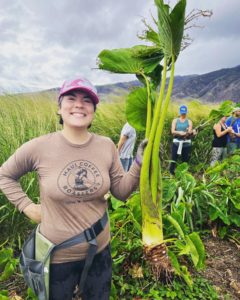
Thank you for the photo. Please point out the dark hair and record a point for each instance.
(60, 119)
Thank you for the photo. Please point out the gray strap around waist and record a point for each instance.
(89, 235)
(84, 236)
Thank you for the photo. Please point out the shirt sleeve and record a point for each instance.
(123, 183)
(126, 130)
(228, 121)
(20, 163)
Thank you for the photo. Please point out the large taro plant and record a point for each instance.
(146, 109)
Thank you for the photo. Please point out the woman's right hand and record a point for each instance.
(33, 212)
(230, 129)
(181, 133)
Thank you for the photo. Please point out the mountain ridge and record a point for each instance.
(215, 86)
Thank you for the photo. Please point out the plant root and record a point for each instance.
(159, 262)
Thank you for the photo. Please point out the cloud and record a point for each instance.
(44, 42)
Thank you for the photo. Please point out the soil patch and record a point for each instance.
(223, 267)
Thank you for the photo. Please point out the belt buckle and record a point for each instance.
(90, 234)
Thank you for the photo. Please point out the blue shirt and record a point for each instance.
(235, 126)
(182, 126)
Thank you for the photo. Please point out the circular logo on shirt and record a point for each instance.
(80, 178)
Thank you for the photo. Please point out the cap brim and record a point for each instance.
(92, 95)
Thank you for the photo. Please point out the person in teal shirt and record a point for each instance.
(182, 130)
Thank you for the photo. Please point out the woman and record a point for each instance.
(182, 131)
(76, 169)
(219, 144)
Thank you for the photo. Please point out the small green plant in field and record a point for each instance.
(8, 263)
(224, 193)
(4, 295)
(212, 196)
(141, 289)
(31, 295)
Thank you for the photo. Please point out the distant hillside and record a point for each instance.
(213, 87)
(216, 86)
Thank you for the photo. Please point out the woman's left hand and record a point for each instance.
(140, 151)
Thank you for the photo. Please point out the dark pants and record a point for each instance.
(65, 276)
(184, 156)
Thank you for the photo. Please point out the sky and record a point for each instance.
(42, 43)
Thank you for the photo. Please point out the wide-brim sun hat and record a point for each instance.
(79, 83)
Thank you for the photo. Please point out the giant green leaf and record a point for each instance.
(171, 27)
(155, 78)
(136, 108)
(136, 60)
(177, 26)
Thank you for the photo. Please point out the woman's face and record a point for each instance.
(77, 110)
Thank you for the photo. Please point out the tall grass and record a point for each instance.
(21, 119)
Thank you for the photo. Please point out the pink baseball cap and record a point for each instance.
(79, 83)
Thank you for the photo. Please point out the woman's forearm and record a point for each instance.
(33, 212)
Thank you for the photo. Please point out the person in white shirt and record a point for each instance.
(126, 146)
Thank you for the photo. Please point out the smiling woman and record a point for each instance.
(75, 169)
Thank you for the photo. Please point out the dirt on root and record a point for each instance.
(223, 267)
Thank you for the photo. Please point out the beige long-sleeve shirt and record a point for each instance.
(73, 180)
